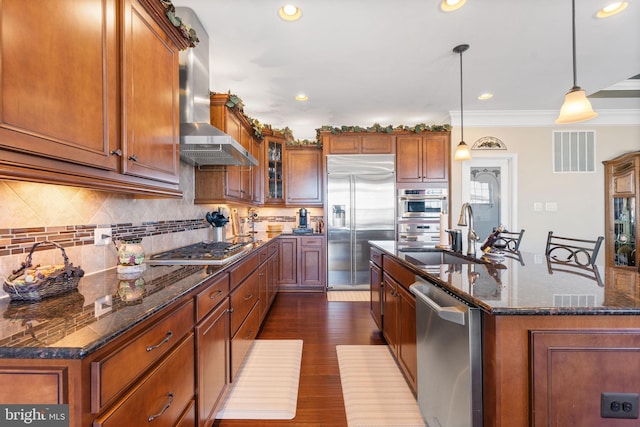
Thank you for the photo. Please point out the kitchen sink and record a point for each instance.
(435, 257)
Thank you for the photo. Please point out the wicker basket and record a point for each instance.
(58, 282)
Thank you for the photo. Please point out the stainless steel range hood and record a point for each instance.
(200, 142)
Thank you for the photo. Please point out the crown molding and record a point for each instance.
(537, 118)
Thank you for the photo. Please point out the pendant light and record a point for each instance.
(576, 107)
(462, 150)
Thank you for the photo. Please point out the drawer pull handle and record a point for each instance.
(164, 341)
(166, 406)
(215, 295)
(248, 297)
(249, 334)
(133, 158)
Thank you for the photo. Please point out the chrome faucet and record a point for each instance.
(472, 236)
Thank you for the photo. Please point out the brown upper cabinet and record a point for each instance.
(423, 158)
(222, 184)
(303, 183)
(275, 166)
(358, 143)
(79, 123)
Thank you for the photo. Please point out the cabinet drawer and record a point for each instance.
(243, 299)
(121, 367)
(161, 397)
(241, 342)
(400, 273)
(263, 254)
(311, 241)
(216, 290)
(243, 269)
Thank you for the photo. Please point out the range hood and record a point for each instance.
(200, 142)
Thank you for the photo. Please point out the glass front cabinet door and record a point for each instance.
(622, 270)
(275, 170)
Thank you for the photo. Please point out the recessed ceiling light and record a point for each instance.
(612, 9)
(451, 5)
(301, 97)
(485, 96)
(289, 12)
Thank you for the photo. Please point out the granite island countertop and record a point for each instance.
(522, 284)
(105, 306)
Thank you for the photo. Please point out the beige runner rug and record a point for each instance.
(348, 296)
(374, 390)
(266, 387)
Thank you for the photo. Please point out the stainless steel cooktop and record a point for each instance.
(203, 253)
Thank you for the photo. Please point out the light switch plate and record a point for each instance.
(102, 236)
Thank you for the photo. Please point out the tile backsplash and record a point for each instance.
(30, 213)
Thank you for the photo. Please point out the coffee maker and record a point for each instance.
(303, 222)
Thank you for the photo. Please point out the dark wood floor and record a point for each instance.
(321, 325)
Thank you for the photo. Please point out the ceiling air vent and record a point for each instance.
(574, 151)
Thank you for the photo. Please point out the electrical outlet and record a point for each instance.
(101, 236)
(619, 405)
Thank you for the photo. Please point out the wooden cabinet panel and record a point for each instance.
(567, 386)
(42, 111)
(243, 298)
(241, 342)
(376, 291)
(390, 310)
(304, 175)
(121, 367)
(214, 293)
(423, 158)
(33, 385)
(288, 266)
(407, 350)
(151, 112)
(188, 418)
(311, 260)
(243, 269)
(213, 362)
(161, 397)
(359, 143)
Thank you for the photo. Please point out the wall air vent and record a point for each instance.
(574, 151)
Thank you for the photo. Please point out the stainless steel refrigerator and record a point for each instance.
(361, 207)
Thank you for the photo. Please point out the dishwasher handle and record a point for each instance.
(454, 314)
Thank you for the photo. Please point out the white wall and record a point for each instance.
(580, 197)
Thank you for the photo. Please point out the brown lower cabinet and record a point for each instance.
(172, 369)
(302, 263)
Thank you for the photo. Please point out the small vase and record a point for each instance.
(131, 252)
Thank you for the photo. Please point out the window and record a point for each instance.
(574, 151)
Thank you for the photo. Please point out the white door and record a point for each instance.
(489, 184)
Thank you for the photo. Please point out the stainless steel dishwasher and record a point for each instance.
(449, 347)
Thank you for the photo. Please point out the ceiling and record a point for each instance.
(391, 62)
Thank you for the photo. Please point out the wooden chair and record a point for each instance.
(568, 250)
(509, 241)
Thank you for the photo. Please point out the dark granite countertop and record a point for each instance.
(75, 324)
(522, 284)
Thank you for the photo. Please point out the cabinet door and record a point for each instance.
(288, 265)
(275, 172)
(264, 301)
(409, 158)
(377, 144)
(150, 110)
(312, 262)
(344, 144)
(213, 366)
(435, 158)
(407, 351)
(257, 172)
(377, 290)
(390, 310)
(59, 85)
(304, 176)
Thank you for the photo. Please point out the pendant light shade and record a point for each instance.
(462, 150)
(576, 107)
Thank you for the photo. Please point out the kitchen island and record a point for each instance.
(552, 341)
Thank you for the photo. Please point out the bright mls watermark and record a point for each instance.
(34, 415)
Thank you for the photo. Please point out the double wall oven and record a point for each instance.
(419, 211)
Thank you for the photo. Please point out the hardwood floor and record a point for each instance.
(321, 325)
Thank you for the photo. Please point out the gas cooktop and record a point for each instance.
(203, 253)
